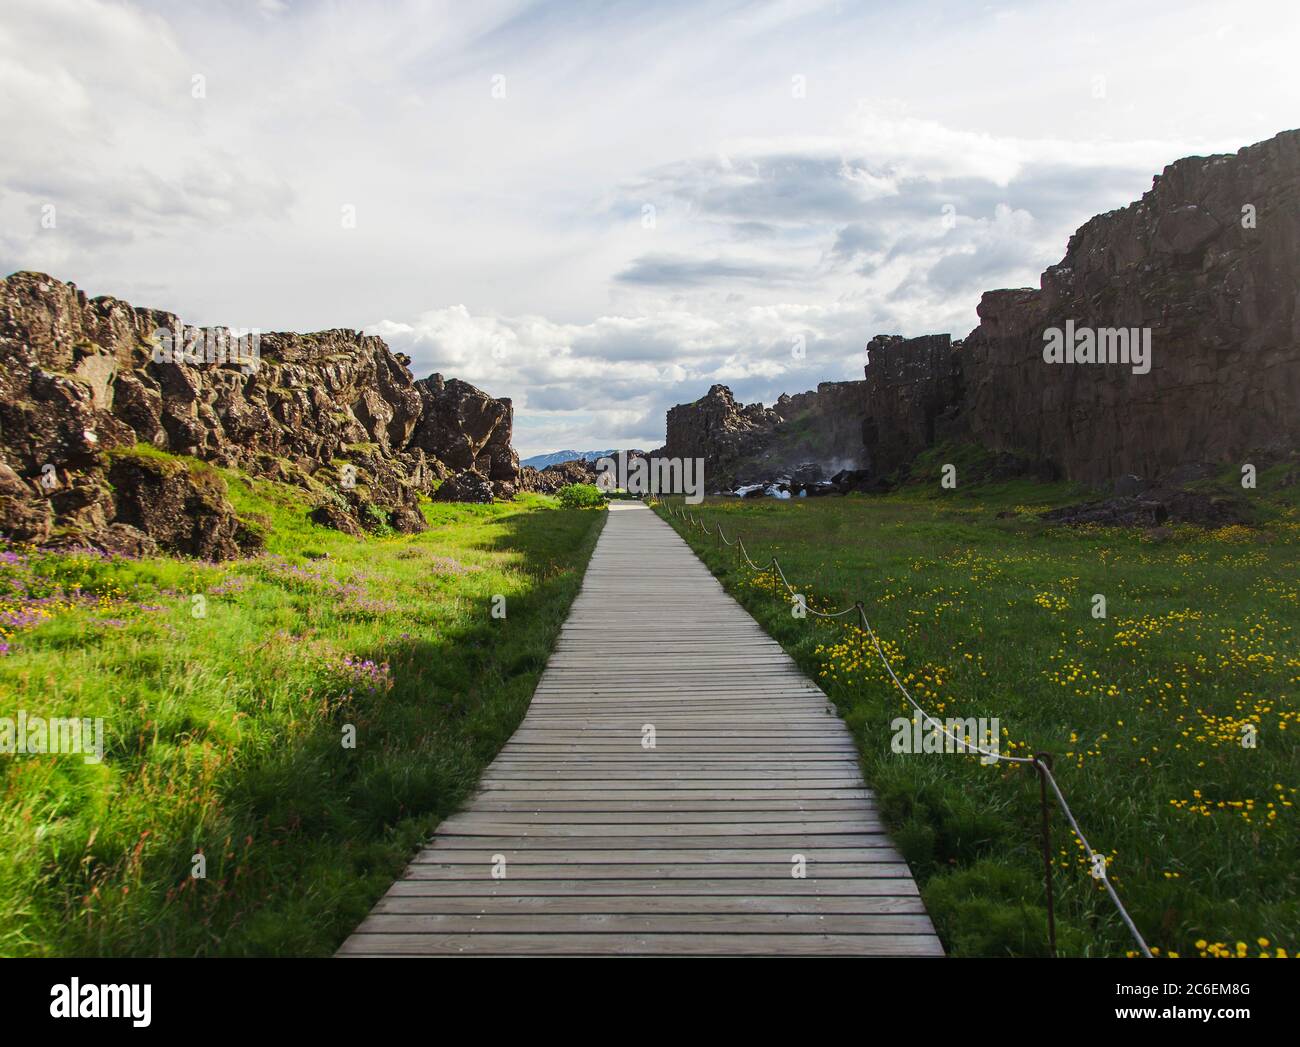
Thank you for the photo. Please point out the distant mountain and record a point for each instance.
(541, 461)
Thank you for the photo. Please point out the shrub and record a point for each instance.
(377, 520)
(581, 496)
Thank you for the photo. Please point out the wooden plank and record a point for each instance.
(646, 904)
(630, 808)
(679, 762)
(680, 809)
(643, 923)
(642, 945)
(684, 870)
(769, 857)
(732, 887)
(650, 770)
(663, 778)
(640, 844)
(686, 848)
(612, 823)
(659, 792)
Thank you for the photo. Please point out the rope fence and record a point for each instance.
(1040, 762)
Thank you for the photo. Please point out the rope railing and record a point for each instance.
(741, 542)
(1041, 762)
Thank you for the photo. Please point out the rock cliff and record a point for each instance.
(89, 386)
(819, 430)
(914, 393)
(1206, 265)
(1209, 261)
(721, 431)
(823, 426)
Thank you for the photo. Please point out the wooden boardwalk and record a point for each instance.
(582, 840)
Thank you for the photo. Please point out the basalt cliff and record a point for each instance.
(87, 399)
(745, 444)
(1205, 268)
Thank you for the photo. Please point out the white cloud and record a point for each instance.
(502, 239)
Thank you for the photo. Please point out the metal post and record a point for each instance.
(1041, 761)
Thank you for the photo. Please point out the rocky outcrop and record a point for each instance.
(335, 412)
(553, 477)
(913, 395)
(336, 515)
(464, 428)
(573, 471)
(469, 485)
(822, 427)
(818, 431)
(1206, 265)
(183, 509)
(531, 480)
(25, 518)
(1151, 508)
(1209, 262)
(719, 430)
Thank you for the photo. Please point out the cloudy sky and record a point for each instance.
(600, 209)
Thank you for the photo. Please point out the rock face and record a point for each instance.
(183, 510)
(813, 431)
(464, 428)
(822, 427)
(553, 477)
(914, 392)
(84, 380)
(1209, 261)
(1211, 508)
(468, 485)
(719, 430)
(573, 471)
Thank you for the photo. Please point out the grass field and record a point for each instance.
(1145, 710)
(227, 693)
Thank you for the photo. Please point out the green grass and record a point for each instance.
(989, 616)
(225, 733)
